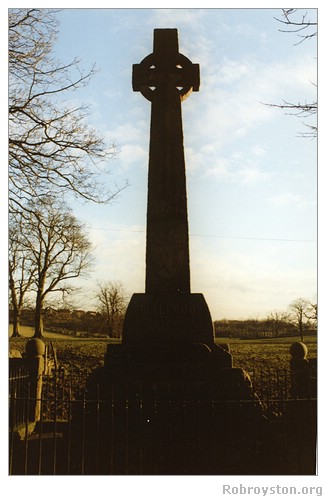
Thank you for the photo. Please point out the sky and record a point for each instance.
(251, 178)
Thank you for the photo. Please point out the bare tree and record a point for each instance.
(277, 320)
(51, 146)
(112, 302)
(298, 22)
(311, 313)
(298, 309)
(58, 247)
(21, 272)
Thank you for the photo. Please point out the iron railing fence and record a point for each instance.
(270, 386)
(20, 380)
(165, 428)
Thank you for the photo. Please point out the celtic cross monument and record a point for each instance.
(165, 377)
(167, 317)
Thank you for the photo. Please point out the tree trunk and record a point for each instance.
(38, 322)
(301, 329)
(15, 305)
(16, 323)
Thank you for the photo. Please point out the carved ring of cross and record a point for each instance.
(149, 77)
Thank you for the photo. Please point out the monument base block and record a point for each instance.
(165, 332)
(166, 319)
(166, 387)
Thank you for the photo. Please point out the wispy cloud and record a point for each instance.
(241, 166)
(290, 200)
(233, 92)
(128, 132)
(132, 154)
(232, 71)
(132, 145)
(177, 18)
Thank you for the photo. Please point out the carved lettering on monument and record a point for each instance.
(168, 310)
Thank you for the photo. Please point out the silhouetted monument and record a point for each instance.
(167, 317)
(168, 360)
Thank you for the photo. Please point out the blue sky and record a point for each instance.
(252, 182)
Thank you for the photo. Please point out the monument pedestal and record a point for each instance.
(173, 330)
(173, 411)
(162, 319)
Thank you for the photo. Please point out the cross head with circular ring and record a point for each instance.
(165, 70)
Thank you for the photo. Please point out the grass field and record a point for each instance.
(267, 353)
(248, 354)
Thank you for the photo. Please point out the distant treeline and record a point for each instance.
(255, 328)
(75, 322)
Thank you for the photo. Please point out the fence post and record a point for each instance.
(299, 364)
(35, 349)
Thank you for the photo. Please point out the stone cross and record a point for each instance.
(167, 317)
(165, 78)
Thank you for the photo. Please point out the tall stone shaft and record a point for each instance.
(167, 314)
(166, 77)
